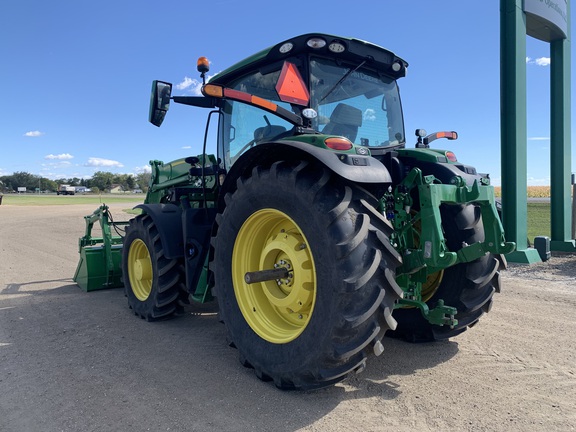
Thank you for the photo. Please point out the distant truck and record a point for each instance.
(66, 190)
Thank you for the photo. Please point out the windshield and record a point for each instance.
(355, 102)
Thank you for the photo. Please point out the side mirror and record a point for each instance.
(159, 102)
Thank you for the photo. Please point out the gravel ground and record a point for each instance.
(77, 361)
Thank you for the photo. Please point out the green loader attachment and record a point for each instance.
(100, 257)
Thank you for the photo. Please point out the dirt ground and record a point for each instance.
(77, 361)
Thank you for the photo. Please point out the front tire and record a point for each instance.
(314, 327)
(151, 281)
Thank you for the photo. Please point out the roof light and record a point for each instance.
(203, 65)
(396, 66)
(286, 47)
(339, 143)
(316, 43)
(336, 47)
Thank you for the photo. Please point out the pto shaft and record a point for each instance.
(265, 275)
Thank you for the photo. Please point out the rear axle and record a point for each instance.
(266, 275)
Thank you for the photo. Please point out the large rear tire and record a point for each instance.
(315, 326)
(468, 286)
(152, 282)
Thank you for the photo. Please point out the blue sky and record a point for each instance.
(76, 75)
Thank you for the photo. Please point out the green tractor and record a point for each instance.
(314, 227)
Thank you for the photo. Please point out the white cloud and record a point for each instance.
(540, 61)
(186, 147)
(62, 156)
(143, 169)
(100, 162)
(186, 83)
(58, 164)
(52, 174)
(369, 115)
(192, 85)
(209, 77)
(34, 134)
(543, 61)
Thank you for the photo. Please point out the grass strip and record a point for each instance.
(43, 200)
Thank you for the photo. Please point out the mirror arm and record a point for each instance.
(197, 101)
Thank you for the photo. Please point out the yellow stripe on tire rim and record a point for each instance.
(140, 270)
(431, 285)
(278, 310)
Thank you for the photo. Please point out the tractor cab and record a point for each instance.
(310, 85)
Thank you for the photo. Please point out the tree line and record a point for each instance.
(101, 181)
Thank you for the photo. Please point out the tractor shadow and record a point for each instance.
(37, 287)
(157, 369)
(399, 358)
(382, 380)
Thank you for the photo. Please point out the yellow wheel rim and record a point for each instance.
(431, 285)
(277, 310)
(140, 269)
(433, 280)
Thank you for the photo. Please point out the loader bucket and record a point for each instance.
(100, 264)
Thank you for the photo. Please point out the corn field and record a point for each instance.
(533, 191)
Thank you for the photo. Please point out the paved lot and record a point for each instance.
(76, 361)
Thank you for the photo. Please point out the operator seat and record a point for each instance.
(268, 132)
(344, 121)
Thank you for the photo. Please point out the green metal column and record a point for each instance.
(513, 129)
(560, 144)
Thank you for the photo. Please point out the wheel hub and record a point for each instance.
(285, 284)
(278, 310)
(140, 269)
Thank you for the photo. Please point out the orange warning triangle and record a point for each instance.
(291, 87)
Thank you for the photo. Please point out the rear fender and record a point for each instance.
(356, 168)
(184, 233)
(168, 220)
